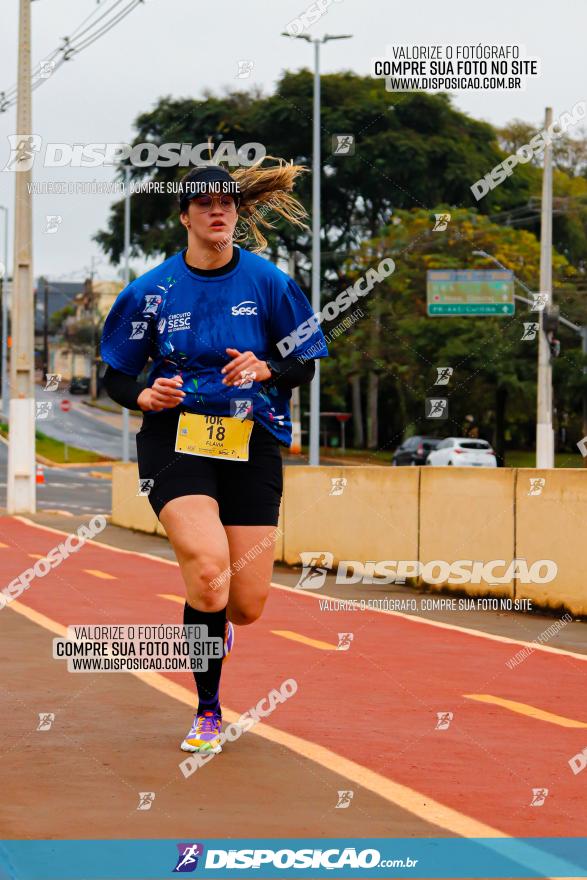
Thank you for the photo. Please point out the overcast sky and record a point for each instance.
(180, 47)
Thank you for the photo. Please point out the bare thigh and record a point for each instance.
(201, 548)
(249, 585)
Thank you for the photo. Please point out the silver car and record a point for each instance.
(463, 452)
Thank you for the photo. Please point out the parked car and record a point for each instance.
(79, 385)
(463, 452)
(414, 450)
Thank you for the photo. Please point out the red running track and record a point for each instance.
(376, 703)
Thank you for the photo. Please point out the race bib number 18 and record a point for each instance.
(213, 436)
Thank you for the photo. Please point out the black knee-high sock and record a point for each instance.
(207, 683)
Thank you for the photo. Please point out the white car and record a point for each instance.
(463, 452)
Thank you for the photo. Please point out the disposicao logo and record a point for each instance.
(188, 856)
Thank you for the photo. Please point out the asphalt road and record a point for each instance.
(75, 490)
(81, 426)
(72, 490)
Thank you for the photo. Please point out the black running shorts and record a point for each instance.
(248, 492)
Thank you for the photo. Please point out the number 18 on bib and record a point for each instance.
(214, 436)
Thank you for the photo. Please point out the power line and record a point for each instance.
(73, 45)
(78, 28)
(69, 52)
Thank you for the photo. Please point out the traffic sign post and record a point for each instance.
(65, 406)
(457, 292)
(343, 418)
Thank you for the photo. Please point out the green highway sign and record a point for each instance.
(470, 292)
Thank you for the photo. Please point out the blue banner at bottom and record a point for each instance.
(294, 857)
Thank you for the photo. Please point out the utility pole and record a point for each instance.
(296, 425)
(5, 384)
(21, 483)
(576, 328)
(584, 351)
(314, 445)
(544, 432)
(45, 328)
(125, 424)
(94, 362)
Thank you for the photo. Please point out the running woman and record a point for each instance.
(216, 401)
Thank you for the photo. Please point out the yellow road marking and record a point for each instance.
(171, 597)
(525, 709)
(406, 798)
(284, 633)
(4, 545)
(414, 618)
(60, 512)
(305, 640)
(425, 621)
(420, 805)
(100, 574)
(35, 555)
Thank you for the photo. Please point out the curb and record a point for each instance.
(48, 462)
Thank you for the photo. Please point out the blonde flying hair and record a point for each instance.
(263, 190)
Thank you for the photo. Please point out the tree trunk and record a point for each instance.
(373, 383)
(372, 402)
(501, 395)
(398, 435)
(358, 435)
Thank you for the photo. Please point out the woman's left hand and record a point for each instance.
(243, 366)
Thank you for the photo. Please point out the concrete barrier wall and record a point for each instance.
(375, 517)
(467, 514)
(426, 514)
(550, 525)
(129, 509)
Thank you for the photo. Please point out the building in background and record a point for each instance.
(68, 328)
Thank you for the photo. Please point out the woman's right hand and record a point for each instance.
(163, 394)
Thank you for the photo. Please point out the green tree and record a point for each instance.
(57, 319)
(412, 150)
(414, 154)
(494, 369)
